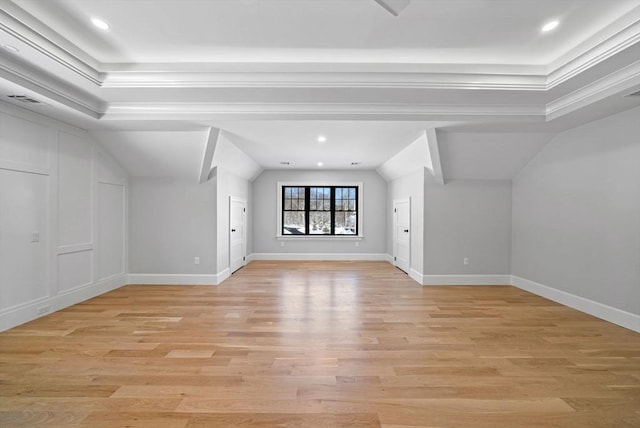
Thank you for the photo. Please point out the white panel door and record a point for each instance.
(402, 234)
(24, 232)
(237, 233)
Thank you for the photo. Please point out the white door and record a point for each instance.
(237, 233)
(402, 234)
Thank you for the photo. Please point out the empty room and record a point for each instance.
(319, 213)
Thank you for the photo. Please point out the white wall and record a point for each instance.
(63, 217)
(410, 186)
(468, 219)
(265, 211)
(173, 220)
(576, 216)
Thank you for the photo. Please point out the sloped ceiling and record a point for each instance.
(275, 74)
(156, 153)
(488, 155)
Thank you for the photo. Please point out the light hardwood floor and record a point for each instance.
(319, 344)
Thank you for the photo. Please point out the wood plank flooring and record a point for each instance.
(319, 344)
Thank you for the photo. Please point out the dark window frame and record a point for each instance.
(332, 210)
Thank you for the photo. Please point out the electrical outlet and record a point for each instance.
(357, 244)
(282, 243)
(196, 261)
(465, 261)
(35, 236)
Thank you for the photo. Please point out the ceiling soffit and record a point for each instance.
(52, 52)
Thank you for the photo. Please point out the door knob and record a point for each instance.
(233, 230)
(406, 230)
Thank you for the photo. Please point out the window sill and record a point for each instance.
(319, 238)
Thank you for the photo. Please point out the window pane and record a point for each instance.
(320, 222)
(340, 222)
(293, 223)
(320, 198)
(352, 205)
(287, 192)
(345, 223)
(338, 205)
(287, 204)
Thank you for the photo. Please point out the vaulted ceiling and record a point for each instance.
(274, 75)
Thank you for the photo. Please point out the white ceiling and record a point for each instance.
(275, 74)
(427, 31)
(369, 143)
(156, 153)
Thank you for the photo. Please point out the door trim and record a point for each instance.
(243, 201)
(394, 250)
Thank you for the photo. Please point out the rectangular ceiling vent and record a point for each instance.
(24, 99)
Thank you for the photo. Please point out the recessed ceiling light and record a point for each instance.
(319, 164)
(321, 138)
(10, 48)
(100, 23)
(549, 26)
(284, 163)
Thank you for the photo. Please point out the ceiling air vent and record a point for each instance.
(24, 99)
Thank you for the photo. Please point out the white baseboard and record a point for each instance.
(320, 256)
(177, 279)
(415, 275)
(460, 279)
(16, 315)
(221, 276)
(599, 310)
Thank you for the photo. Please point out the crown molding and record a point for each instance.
(50, 87)
(21, 26)
(209, 111)
(312, 79)
(58, 59)
(598, 49)
(616, 82)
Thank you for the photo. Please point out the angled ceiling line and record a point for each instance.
(434, 152)
(394, 7)
(213, 135)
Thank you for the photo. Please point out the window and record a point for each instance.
(319, 210)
